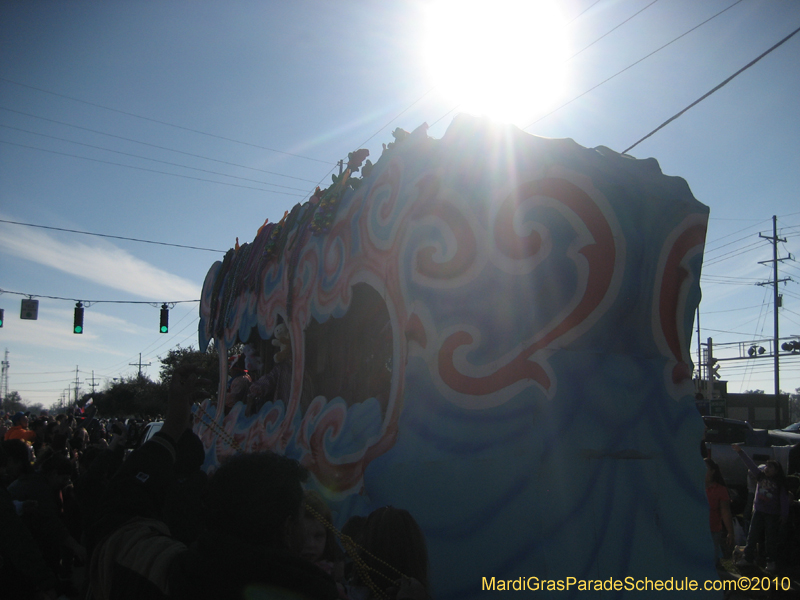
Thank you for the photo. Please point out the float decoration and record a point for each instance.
(491, 331)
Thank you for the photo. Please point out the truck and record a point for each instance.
(759, 444)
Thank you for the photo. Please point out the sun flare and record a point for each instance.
(500, 58)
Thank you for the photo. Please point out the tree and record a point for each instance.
(36, 408)
(205, 363)
(13, 403)
(132, 396)
(136, 395)
(56, 407)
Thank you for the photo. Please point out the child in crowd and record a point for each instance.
(770, 509)
(396, 556)
(719, 503)
(320, 543)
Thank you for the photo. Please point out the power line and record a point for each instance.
(631, 65)
(107, 162)
(610, 31)
(726, 331)
(707, 94)
(585, 10)
(729, 235)
(219, 137)
(98, 301)
(156, 341)
(713, 312)
(731, 254)
(165, 162)
(116, 237)
(43, 372)
(126, 139)
(362, 144)
(401, 113)
(731, 278)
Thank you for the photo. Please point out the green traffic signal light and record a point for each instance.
(77, 322)
(2, 316)
(164, 319)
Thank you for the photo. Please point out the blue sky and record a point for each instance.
(196, 112)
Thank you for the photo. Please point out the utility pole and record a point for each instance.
(77, 384)
(699, 352)
(776, 301)
(94, 384)
(4, 380)
(711, 370)
(140, 365)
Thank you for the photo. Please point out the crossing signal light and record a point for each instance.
(77, 322)
(164, 318)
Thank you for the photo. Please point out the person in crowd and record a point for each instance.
(720, 518)
(79, 439)
(39, 427)
(770, 509)
(252, 536)
(184, 501)
(320, 547)
(18, 461)
(396, 556)
(41, 489)
(62, 432)
(19, 429)
(352, 529)
(24, 574)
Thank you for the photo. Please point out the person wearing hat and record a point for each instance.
(20, 430)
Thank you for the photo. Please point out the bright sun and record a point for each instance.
(499, 58)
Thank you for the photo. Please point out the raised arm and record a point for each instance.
(751, 466)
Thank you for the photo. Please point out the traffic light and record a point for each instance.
(77, 322)
(164, 318)
(2, 316)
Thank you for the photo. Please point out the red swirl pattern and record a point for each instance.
(601, 259)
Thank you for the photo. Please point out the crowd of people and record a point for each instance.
(769, 523)
(87, 516)
(88, 512)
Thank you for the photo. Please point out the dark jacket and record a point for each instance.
(136, 557)
(23, 569)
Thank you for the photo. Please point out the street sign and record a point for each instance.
(717, 408)
(29, 310)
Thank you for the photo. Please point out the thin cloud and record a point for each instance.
(102, 263)
(52, 332)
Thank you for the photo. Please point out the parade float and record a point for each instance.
(491, 331)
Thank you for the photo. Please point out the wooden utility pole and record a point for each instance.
(140, 364)
(776, 304)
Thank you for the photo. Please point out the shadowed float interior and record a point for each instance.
(351, 356)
